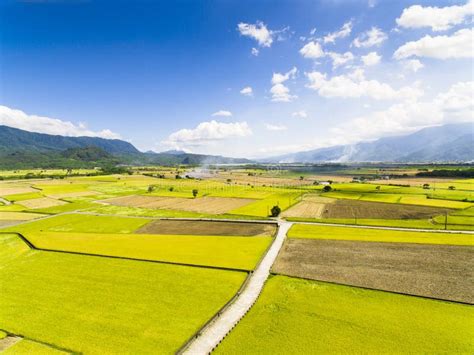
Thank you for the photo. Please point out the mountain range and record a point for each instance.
(23, 149)
(447, 143)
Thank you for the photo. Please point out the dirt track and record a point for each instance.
(439, 271)
(207, 228)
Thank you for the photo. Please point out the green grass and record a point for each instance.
(18, 216)
(456, 220)
(230, 252)
(22, 197)
(377, 235)
(82, 223)
(28, 347)
(70, 207)
(101, 305)
(398, 223)
(3, 335)
(261, 208)
(294, 316)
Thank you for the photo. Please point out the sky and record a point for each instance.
(236, 78)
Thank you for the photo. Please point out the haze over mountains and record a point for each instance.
(23, 149)
(448, 143)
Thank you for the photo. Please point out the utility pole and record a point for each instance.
(446, 221)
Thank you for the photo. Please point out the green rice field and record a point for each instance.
(306, 317)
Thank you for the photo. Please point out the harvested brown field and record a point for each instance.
(5, 191)
(208, 228)
(211, 205)
(7, 223)
(43, 202)
(379, 210)
(439, 271)
(74, 194)
(312, 206)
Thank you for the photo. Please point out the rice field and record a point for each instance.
(377, 235)
(218, 251)
(92, 304)
(300, 317)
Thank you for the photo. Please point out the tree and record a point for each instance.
(171, 188)
(426, 186)
(195, 193)
(452, 187)
(377, 188)
(316, 182)
(151, 188)
(275, 211)
(327, 188)
(301, 177)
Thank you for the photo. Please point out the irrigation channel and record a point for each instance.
(215, 331)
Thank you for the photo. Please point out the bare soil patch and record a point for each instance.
(74, 194)
(212, 205)
(310, 207)
(7, 223)
(379, 210)
(44, 202)
(208, 228)
(8, 342)
(6, 191)
(439, 271)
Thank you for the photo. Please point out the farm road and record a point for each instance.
(215, 331)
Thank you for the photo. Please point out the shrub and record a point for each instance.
(275, 211)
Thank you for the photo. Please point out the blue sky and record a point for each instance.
(155, 72)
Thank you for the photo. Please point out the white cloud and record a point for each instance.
(312, 50)
(342, 33)
(371, 59)
(412, 65)
(339, 59)
(280, 92)
(40, 124)
(300, 114)
(275, 127)
(258, 32)
(457, 45)
(255, 51)
(355, 85)
(206, 133)
(222, 113)
(438, 18)
(247, 91)
(455, 105)
(373, 37)
(279, 78)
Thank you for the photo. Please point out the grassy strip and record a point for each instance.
(300, 317)
(229, 252)
(396, 223)
(82, 223)
(377, 235)
(103, 305)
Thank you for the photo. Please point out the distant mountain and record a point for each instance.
(448, 143)
(21, 149)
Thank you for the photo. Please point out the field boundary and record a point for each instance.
(54, 346)
(33, 247)
(374, 289)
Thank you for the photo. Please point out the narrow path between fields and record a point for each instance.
(216, 330)
(5, 202)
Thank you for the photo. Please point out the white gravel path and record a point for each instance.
(213, 334)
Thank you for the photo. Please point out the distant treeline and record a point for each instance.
(466, 173)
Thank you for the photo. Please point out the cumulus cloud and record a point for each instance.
(222, 113)
(206, 133)
(455, 105)
(275, 127)
(339, 59)
(258, 32)
(457, 45)
(255, 51)
(247, 91)
(312, 50)
(438, 18)
(342, 33)
(280, 92)
(355, 85)
(41, 124)
(371, 59)
(300, 114)
(412, 65)
(373, 37)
